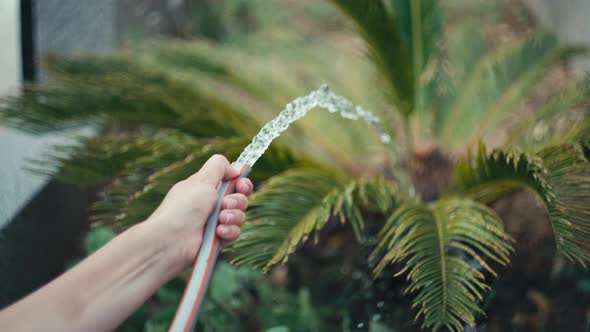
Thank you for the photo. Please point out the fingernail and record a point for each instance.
(222, 229)
(231, 203)
(229, 217)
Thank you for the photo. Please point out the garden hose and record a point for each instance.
(187, 312)
(196, 288)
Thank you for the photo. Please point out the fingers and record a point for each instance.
(228, 233)
(232, 217)
(229, 224)
(216, 169)
(235, 201)
(244, 186)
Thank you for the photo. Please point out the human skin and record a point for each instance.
(104, 289)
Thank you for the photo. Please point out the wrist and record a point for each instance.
(175, 251)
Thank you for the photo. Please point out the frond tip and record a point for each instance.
(443, 247)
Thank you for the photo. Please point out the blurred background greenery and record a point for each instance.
(163, 105)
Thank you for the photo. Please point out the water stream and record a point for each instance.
(322, 97)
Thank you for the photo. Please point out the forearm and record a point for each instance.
(104, 289)
(100, 292)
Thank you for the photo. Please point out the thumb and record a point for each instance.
(216, 169)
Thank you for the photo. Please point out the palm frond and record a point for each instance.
(464, 47)
(420, 26)
(568, 173)
(94, 160)
(559, 175)
(200, 62)
(488, 176)
(299, 202)
(134, 194)
(137, 192)
(246, 86)
(391, 53)
(545, 127)
(113, 90)
(429, 241)
(499, 81)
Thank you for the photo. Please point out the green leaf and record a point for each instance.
(172, 291)
(139, 191)
(161, 320)
(94, 160)
(433, 243)
(488, 176)
(225, 283)
(297, 203)
(420, 24)
(568, 174)
(278, 329)
(559, 175)
(381, 30)
(97, 238)
(500, 80)
(111, 91)
(465, 46)
(546, 126)
(135, 322)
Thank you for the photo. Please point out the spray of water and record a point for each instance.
(324, 98)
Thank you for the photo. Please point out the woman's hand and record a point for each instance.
(182, 215)
(105, 288)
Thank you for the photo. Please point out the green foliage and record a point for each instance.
(500, 80)
(231, 291)
(457, 89)
(486, 177)
(97, 238)
(149, 178)
(430, 242)
(568, 173)
(559, 175)
(299, 202)
(546, 127)
(161, 131)
(401, 36)
(163, 108)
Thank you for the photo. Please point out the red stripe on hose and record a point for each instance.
(202, 288)
(209, 264)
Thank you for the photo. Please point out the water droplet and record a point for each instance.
(361, 325)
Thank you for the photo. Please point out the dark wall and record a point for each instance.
(41, 239)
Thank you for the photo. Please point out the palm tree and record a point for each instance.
(449, 93)
(164, 108)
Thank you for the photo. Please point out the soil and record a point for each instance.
(539, 291)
